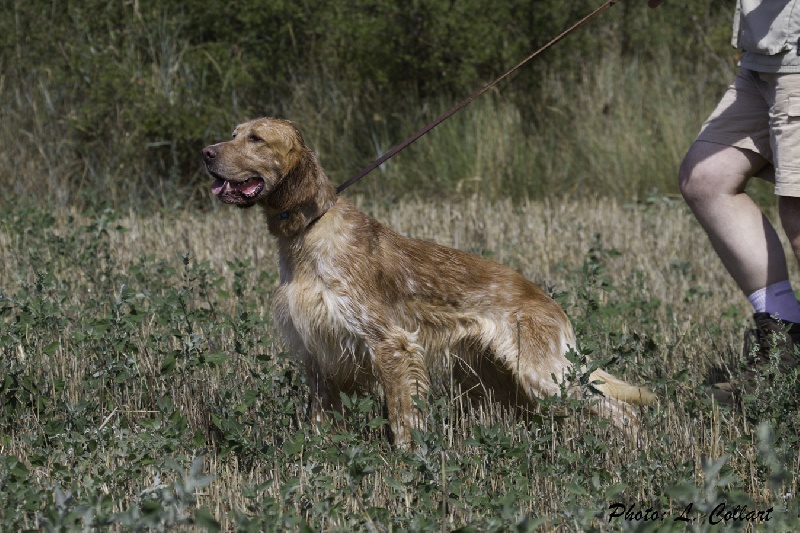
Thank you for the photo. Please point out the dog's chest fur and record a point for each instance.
(315, 305)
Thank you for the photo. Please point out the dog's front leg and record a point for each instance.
(324, 394)
(400, 368)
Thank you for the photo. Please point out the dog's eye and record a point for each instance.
(254, 139)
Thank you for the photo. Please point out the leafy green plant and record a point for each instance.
(132, 343)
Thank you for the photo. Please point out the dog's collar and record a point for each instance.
(286, 214)
(315, 220)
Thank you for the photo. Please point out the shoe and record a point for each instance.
(770, 337)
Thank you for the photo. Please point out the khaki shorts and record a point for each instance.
(760, 112)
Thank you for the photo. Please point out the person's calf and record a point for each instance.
(789, 211)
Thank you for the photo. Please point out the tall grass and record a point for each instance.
(144, 386)
(619, 129)
(616, 128)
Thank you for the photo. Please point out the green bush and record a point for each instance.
(112, 101)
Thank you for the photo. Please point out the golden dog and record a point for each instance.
(361, 304)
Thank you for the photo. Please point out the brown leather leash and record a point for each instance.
(428, 127)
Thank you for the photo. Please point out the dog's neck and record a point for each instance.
(299, 199)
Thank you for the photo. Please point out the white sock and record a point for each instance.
(778, 300)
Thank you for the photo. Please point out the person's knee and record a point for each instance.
(710, 170)
(695, 180)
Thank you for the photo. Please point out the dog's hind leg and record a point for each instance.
(534, 354)
(398, 361)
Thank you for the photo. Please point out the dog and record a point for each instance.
(361, 304)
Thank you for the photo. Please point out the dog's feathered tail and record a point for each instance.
(620, 390)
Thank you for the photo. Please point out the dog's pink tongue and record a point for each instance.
(217, 186)
(249, 187)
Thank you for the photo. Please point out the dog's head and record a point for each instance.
(249, 166)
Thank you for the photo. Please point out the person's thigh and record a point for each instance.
(742, 117)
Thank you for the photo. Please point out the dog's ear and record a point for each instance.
(297, 157)
(301, 164)
(304, 190)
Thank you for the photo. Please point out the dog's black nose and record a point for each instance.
(209, 153)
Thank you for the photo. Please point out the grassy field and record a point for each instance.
(142, 385)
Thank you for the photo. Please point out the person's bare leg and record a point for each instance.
(789, 210)
(712, 180)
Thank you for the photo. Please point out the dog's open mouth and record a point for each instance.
(233, 192)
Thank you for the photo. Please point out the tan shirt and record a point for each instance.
(768, 32)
